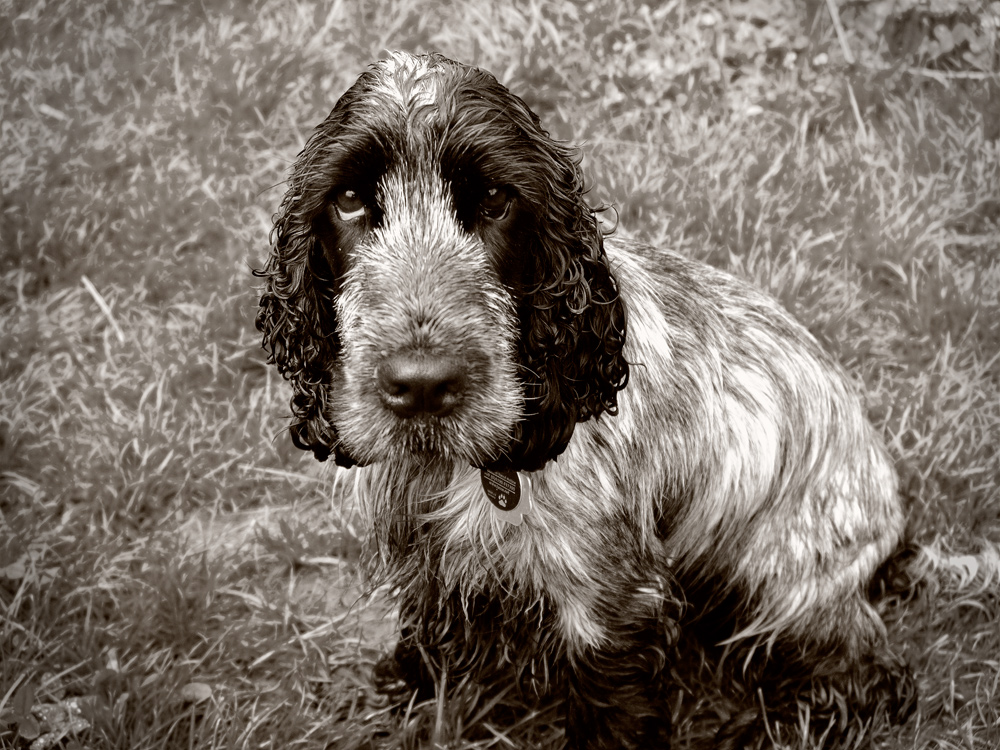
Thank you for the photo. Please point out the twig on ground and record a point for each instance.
(105, 307)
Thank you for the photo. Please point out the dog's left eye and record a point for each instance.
(348, 205)
(496, 203)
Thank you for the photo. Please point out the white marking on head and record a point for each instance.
(408, 80)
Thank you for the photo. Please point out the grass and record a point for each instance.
(173, 573)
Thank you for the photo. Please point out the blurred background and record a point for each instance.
(173, 573)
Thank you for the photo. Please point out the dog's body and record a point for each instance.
(443, 301)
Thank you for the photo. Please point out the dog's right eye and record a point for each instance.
(348, 205)
(496, 203)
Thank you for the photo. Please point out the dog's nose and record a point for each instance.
(413, 384)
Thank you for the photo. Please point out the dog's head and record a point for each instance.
(437, 284)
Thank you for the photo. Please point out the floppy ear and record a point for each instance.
(573, 320)
(296, 315)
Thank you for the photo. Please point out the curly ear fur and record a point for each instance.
(573, 321)
(573, 333)
(296, 314)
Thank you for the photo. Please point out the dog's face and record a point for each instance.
(419, 229)
(437, 285)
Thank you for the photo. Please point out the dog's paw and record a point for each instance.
(389, 679)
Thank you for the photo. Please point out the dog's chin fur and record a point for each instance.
(425, 442)
(734, 488)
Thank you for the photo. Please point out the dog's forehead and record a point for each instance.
(414, 84)
(431, 116)
(425, 112)
(430, 94)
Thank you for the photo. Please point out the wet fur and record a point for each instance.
(696, 460)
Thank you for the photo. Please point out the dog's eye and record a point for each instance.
(348, 205)
(496, 203)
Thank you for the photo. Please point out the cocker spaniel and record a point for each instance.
(570, 447)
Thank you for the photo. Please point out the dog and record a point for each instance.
(569, 447)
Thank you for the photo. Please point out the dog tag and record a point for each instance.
(509, 493)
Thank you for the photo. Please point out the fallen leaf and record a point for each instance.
(196, 692)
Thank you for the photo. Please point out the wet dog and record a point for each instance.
(569, 446)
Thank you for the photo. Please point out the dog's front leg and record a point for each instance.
(615, 693)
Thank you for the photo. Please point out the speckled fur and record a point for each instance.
(694, 456)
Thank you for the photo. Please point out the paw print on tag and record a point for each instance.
(509, 493)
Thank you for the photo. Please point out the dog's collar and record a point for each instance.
(509, 493)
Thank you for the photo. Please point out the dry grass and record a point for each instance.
(172, 572)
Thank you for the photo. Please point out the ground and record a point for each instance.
(173, 573)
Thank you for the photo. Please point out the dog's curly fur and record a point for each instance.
(443, 300)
